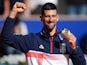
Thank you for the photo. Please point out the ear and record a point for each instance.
(41, 18)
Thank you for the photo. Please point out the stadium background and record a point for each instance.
(71, 19)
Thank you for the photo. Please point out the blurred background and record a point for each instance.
(72, 13)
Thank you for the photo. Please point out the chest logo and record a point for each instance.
(41, 46)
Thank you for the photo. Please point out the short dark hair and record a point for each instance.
(48, 6)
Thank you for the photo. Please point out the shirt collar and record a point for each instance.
(46, 34)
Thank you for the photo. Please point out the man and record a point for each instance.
(42, 48)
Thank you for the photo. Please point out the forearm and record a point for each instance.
(78, 57)
(8, 27)
(7, 35)
(9, 23)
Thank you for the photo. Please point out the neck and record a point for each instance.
(52, 32)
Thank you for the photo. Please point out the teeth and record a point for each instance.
(65, 32)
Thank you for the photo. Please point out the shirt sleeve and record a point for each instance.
(77, 56)
(16, 41)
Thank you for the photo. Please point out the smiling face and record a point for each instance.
(49, 19)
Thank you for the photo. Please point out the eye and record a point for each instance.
(53, 15)
(47, 16)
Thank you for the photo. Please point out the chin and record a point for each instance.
(50, 29)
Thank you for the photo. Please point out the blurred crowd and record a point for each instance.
(34, 6)
(70, 7)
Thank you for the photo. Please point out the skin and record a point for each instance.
(16, 29)
(49, 20)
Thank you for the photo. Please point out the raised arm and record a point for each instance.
(7, 36)
(76, 54)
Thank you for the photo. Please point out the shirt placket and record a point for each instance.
(51, 44)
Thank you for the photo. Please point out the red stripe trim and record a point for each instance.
(51, 46)
(41, 55)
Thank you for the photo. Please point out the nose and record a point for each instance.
(50, 19)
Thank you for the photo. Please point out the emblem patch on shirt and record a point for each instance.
(41, 47)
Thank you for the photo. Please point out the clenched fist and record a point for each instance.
(17, 8)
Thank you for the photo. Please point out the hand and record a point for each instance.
(72, 41)
(70, 37)
(17, 8)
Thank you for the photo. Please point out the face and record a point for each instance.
(49, 19)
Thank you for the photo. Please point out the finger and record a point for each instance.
(71, 41)
(20, 5)
(24, 6)
(20, 10)
(71, 37)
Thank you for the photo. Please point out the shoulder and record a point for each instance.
(32, 35)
